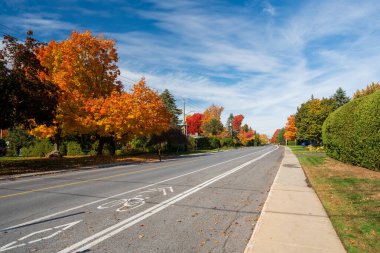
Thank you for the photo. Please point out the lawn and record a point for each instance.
(351, 197)
(18, 165)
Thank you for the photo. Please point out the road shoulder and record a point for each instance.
(293, 218)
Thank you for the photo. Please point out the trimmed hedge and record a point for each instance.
(352, 133)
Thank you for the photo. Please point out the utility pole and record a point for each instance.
(184, 122)
(184, 117)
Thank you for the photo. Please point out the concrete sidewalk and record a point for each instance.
(293, 218)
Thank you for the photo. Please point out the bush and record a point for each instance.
(214, 143)
(139, 143)
(291, 143)
(352, 133)
(73, 149)
(203, 143)
(226, 142)
(62, 148)
(39, 148)
(192, 143)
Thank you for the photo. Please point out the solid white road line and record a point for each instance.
(120, 194)
(99, 237)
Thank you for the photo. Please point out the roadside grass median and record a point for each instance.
(19, 165)
(350, 195)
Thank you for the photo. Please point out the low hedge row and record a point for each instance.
(210, 142)
(352, 133)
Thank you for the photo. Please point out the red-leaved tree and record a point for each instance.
(194, 123)
(274, 137)
(236, 122)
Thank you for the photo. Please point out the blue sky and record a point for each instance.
(261, 59)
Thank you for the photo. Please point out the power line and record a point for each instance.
(129, 79)
(10, 29)
(194, 105)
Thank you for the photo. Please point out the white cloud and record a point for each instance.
(268, 8)
(274, 66)
(43, 23)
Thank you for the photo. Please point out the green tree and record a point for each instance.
(310, 117)
(340, 98)
(281, 136)
(229, 121)
(25, 99)
(171, 106)
(245, 128)
(214, 127)
(173, 138)
(18, 138)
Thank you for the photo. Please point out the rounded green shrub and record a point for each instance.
(40, 148)
(214, 143)
(203, 143)
(73, 148)
(226, 142)
(351, 134)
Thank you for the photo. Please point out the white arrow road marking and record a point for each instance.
(60, 227)
(163, 190)
(102, 235)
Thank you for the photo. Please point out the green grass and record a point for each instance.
(12, 166)
(351, 197)
(311, 160)
(297, 149)
(16, 158)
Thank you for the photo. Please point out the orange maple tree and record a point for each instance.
(92, 101)
(274, 137)
(263, 139)
(126, 115)
(290, 128)
(84, 67)
(369, 89)
(245, 137)
(211, 113)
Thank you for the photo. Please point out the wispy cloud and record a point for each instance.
(43, 23)
(268, 8)
(274, 66)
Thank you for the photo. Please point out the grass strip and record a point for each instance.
(351, 197)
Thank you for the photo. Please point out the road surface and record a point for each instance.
(198, 203)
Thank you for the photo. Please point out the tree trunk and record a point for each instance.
(112, 146)
(99, 148)
(159, 153)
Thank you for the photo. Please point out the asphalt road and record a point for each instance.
(199, 203)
